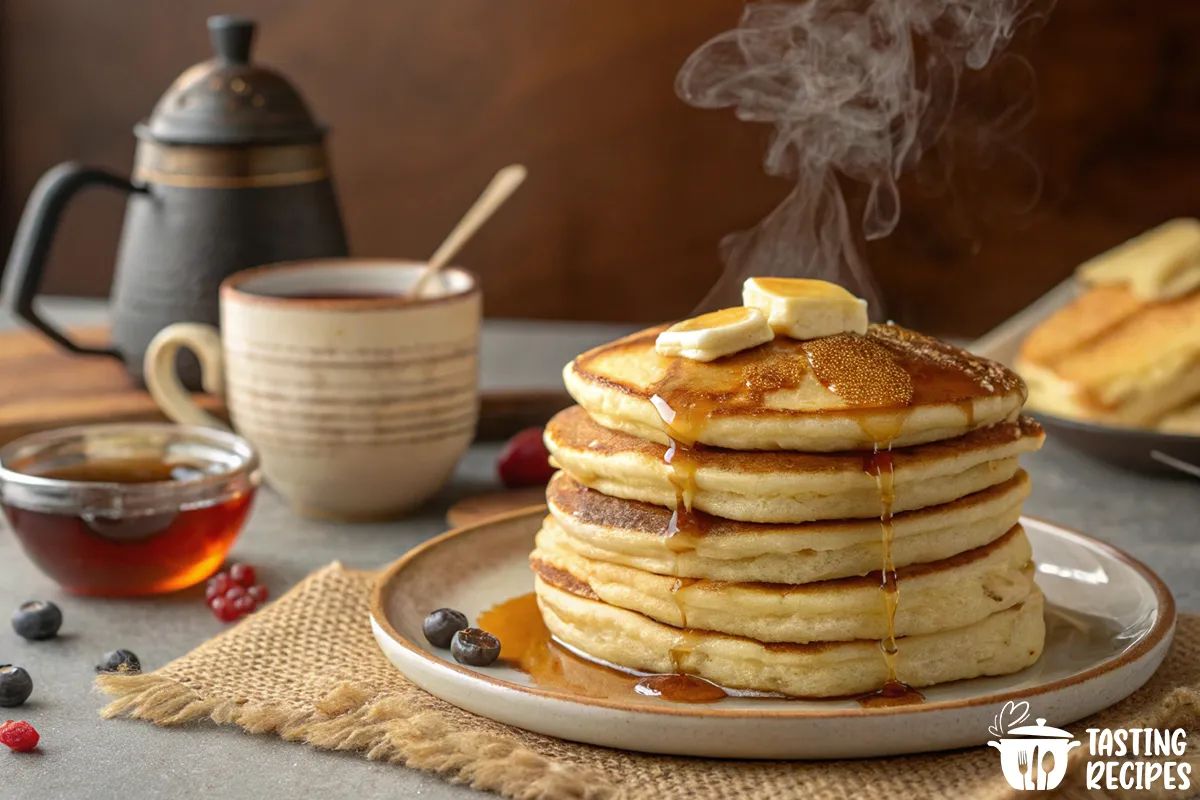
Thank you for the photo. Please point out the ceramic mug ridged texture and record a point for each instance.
(360, 405)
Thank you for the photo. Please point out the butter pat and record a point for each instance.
(1161, 264)
(710, 336)
(801, 308)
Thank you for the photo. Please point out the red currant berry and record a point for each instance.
(245, 605)
(524, 461)
(235, 593)
(217, 585)
(259, 593)
(224, 609)
(243, 575)
(19, 736)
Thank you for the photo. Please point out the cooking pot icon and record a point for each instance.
(1022, 758)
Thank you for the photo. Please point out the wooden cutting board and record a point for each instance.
(43, 386)
(480, 507)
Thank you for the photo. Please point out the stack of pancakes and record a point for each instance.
(1127, 350)
(814, 518)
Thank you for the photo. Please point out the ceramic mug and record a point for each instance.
(359, 399)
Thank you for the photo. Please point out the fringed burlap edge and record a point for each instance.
(383, 730)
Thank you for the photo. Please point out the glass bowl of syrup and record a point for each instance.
(129, 509)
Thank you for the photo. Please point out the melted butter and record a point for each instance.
(714, 319)
(805, 287)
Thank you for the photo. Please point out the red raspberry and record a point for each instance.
(243, 575)
(524, 461)
(259, 593)
(225, 609)
(19, 736)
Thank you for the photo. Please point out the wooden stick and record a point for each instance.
(499, 190)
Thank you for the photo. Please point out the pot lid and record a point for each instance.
(228, 100)
(1041, 729)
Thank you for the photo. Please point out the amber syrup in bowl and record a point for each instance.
(128, 510)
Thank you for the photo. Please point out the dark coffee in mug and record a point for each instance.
(318, 295)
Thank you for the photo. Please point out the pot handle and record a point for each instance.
(35, 233)
(163, 381)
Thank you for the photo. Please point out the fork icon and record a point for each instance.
(1024, 763)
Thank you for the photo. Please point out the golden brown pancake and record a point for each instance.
(1111, 356)
(1004, 642)
(788, 486)
(842, 392)
(635, 534)
(951, 593)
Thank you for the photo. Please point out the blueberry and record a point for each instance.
(119, 661)
(440, 626)
(15, 686)
(475, 647)
(37, 620)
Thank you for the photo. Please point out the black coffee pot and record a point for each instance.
(230, 172)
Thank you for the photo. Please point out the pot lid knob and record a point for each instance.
(231, 37)
(230, 100)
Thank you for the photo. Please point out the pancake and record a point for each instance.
(1002, 643)
(1184, 420)
(842, 392)
(785, 486)
(1112, 356)
(951, 593)
(634, 534)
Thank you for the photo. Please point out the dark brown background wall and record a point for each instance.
(630, 190)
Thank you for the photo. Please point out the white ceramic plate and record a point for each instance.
(1109, 624)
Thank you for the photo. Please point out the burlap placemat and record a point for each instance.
(307, 668)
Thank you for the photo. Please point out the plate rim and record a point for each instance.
(1125, 432)
(1163, 627)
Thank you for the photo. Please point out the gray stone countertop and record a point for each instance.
(1153, 518)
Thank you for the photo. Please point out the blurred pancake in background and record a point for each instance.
(1127, 351)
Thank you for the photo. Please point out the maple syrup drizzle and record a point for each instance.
(881, 467)
(679, 585)
(685, 410)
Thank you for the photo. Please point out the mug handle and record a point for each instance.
(31, 244)
(163, 381)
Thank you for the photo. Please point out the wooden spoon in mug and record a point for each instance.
(500, 189)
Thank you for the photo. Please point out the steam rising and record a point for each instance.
(854, 90)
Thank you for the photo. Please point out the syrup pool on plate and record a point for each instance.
(527, 646)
